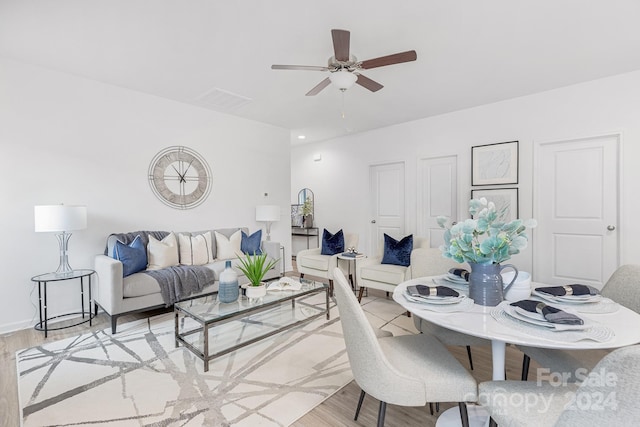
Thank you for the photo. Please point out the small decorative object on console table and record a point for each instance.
(484, 241)
(255, 267)
(307, 213)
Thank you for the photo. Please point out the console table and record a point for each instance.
(43, 279)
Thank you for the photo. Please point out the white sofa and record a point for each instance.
(118, 296)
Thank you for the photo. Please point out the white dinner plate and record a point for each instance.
(435, 300)
(504, 313)
(534, 316)
(459, 286)
(569, 299)
(455, 279)
(527, 317)
(538, 320)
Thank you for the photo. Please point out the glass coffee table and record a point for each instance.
(209, 328)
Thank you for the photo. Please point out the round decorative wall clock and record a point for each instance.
(180, 177)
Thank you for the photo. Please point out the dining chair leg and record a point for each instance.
(330, 287)
(362, 393)
(437, 406)
(302, 275)
(525, 367)
(492, 423)
(431, 408)
(360, 294)
(470, 358)
(464, 415)
(381, 413)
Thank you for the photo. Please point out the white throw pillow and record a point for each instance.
(195, 250)
(162, 253)
(228, 248)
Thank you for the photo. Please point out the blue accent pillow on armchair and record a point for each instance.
(133, 256)
(332, 243)
(397, 252)
(250, 245)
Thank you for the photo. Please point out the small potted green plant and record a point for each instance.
(254, 268)
(307, 213)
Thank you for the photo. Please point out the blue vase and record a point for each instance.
(228, 289)
(485, 283)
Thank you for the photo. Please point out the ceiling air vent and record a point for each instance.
(219, 99)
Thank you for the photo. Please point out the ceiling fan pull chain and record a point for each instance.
(343, 115)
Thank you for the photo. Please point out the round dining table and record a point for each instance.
(482, 321)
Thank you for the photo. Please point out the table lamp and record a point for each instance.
(60, 219)
(268, 214)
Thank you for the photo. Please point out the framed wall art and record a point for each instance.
(296, 215)
(494, 164)
(505, 199)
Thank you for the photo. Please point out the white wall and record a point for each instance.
(71, 140)
(340, 180)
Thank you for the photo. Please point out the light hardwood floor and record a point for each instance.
(337, 410)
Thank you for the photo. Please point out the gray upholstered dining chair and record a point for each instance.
(408, 370)
(622, 287)
(608, 396)
(450, 337)
(434, 264)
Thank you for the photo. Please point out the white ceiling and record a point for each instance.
(470, 52)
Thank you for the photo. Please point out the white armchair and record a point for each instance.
(313, 263)
(372, 274)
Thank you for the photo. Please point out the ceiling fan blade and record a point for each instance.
(396, 58)
(299, 67)
(341, 44)
(367, 83)
(326, 82)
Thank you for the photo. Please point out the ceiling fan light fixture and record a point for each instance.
(343, 79)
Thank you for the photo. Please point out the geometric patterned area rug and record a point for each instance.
(138, 378)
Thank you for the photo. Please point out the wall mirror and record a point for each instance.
(306, 196)
(306, 202)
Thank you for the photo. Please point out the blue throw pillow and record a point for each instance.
(397, 252)
(332, 243)
(250, 245)
(133, 257)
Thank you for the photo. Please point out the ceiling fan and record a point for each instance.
(345, 68)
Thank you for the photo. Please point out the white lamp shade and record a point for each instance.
(268, 213)
(56, 218)
(343, 79)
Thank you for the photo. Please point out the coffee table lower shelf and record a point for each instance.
(270, 312)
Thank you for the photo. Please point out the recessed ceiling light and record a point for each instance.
(301, 137)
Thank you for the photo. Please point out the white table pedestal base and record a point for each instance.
(478, 417)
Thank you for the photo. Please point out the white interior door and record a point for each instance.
(576, 204)
(387, 202)
(437, 195)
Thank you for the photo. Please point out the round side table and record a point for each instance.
(43, 279)
(352, 260)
